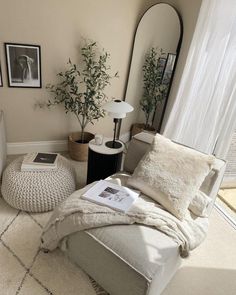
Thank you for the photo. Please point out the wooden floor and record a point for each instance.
(228, 196)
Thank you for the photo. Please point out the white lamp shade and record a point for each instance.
(117, 108)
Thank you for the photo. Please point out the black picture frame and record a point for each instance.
(169, 68)
(1, 82)
(23, 65)
(166, 79)
(162, 65)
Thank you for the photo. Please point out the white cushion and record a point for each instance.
(200, 204)
(3, 153)
(171, 174)
(127, 243)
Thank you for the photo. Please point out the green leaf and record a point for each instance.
(92, 75)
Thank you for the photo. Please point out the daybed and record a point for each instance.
(132, 259)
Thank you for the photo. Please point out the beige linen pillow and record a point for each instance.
(171, 174)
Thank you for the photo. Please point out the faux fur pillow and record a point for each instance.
(171, 174)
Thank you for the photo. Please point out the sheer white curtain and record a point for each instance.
(204, 113)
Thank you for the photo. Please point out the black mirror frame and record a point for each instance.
(173, 73)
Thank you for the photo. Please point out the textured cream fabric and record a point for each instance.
(37, 191)
(171, 174)
(75, 214)
(200, 204)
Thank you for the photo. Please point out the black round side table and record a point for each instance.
(103, 161)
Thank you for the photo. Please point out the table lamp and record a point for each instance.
(117, 109)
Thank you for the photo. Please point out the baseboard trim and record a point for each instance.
(17, 148)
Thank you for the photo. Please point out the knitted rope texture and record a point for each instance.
(37, 191)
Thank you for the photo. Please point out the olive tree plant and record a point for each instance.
(153, 89)
(81, 88)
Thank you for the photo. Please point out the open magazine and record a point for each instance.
(112, 195)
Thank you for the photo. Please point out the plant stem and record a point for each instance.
(147, 119)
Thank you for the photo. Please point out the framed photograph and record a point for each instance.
(169, 67)
(23, 65)
(1, 84)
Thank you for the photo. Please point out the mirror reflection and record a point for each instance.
(154, 55)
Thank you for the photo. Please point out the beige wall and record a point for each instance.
(58, 26)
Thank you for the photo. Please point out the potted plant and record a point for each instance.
(153, 89)
(81, 91)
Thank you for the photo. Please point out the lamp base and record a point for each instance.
(113, 144)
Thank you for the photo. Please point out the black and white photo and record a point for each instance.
(0, 77)
(112, 195)
(23, 65)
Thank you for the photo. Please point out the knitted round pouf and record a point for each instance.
(37, 191)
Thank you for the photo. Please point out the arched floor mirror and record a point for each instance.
(155, 52)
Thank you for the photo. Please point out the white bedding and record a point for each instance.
(75, 214)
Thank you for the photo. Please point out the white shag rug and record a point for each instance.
(25, 269)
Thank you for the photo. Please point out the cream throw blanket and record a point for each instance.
(75, 214)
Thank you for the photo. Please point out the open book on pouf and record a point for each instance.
(112, 195)
(39, 162)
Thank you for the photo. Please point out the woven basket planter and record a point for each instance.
(79, 151)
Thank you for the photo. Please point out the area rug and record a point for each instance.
(26, 270)
(228, 196)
